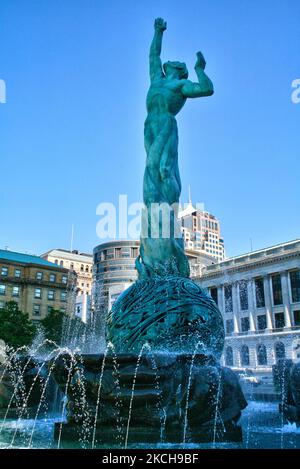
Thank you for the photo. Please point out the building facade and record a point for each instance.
(83, 307)
(201, 232)
(114, 271)
(259, 297)
(36, 285)
(82, 265)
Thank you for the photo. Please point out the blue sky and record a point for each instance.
(71, 131)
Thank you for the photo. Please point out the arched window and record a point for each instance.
(229, 356)
(86, 268)
(245, 358)
(279, 350)
(82, 268)
(261, 355)
(61, 263)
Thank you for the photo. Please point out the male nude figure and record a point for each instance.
(168, 92)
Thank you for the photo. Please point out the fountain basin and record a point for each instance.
(150, 397)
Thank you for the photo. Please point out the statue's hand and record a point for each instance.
(201, 63)
(160, 24)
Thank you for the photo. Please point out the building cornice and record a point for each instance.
(248, 265)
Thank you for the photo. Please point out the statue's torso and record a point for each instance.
(165, 96)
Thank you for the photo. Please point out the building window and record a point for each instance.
(229, 356)
(259, 293)
(279, 351)
(279, 320)
(37, 293)
(17, 273)
(52, 278)
(49, 309)
(39, 275)
(36, 310)
(214, 294)
(51, 295)
(261, 355)
(82, 268)
(277, 290)
(64, 279)
(63, 296)
(228, 298)
(134, 252)
(56, 261)
(4, 271)
(72, 266)
(118, 253)
(297, 318)
(245, 324)
(295, 285)
(86, 268)
(229, 326)
(262, 322)
(2, 304)
(103, 255)
(245, 356)
(61, 263)
(243, 290)
(2, 289)
(16, 291)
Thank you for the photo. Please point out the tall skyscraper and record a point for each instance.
(201, 232)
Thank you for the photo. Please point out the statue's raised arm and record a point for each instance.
(204, 87)
(156, 70)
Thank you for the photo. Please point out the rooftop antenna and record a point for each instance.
(190, 199)
(72, 237)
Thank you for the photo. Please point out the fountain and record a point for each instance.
(160, 376)
(158, 381)
(286, 377)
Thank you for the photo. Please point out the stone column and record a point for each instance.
(221, 299)
(286, 299)
(235, 307)
(251, 291)
(268, 301)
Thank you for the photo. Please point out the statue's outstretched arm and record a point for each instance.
(156, 70)
(204, 87)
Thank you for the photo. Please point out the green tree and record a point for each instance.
(53, 325)
(15, 327)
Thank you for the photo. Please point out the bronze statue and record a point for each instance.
(168, 92)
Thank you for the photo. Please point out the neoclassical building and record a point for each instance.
(259, 296)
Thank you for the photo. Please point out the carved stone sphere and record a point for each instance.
(171, 314)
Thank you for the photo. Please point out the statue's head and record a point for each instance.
(176, 69)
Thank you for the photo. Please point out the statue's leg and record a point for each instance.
(148, 134)
(169, 172)
(157, 133)
(151, 192)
